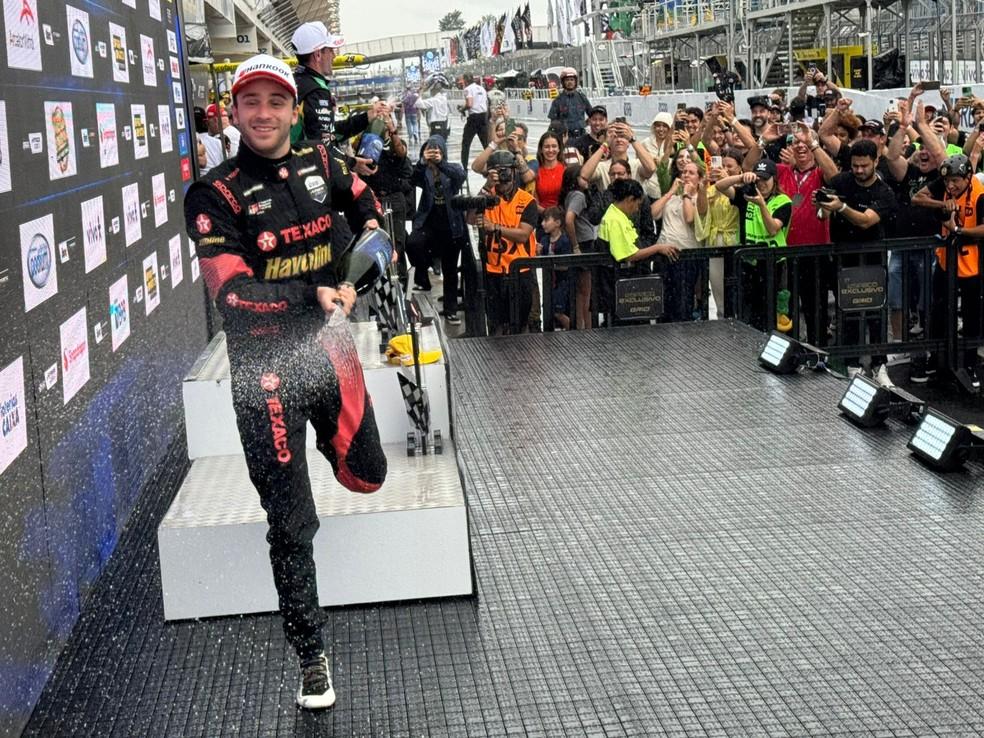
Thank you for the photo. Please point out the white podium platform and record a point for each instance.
(211, 423)
(408, 540)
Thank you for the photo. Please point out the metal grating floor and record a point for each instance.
(667, 541)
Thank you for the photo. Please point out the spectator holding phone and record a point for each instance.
(716, 223)
(596, 134)
(803, 169)
(620, 139)
(677, 209)
(509, 135)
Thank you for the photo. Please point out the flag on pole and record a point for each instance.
(386, 299)
(417, 404)
(517, 28)
(528, 25)
(508, 38)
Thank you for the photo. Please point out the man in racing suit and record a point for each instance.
(316, 49)
(262, 223)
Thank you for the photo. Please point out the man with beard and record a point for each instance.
(859, 211)
(508, 232)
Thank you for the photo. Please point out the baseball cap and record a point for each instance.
(598, 110)
(264, 66)
(665, 118)
(758, 100)
(214, 111)
(309, 37)
(875, 126)
(929, 108)
(765, 169)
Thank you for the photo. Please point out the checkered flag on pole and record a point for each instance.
(386, 298)
(418, 406)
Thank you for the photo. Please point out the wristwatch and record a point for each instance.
(632, 140)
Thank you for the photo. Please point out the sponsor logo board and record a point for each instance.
(119, 311)
(13, 416)
(93, 233)
(177, 265)
(60, 129)
(22, 34)
(80, 42)
(74, 355)
(131, 213)
(152, 290)
(38, 261)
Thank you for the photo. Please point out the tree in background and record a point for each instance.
(451, 22)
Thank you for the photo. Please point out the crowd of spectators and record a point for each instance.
(803, 171)
(810, 170)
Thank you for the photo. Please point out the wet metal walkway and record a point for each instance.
(667, 541)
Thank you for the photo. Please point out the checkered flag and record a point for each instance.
(418, 406)
(386, 298)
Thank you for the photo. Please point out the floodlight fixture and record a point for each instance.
(867, 403)
(944, 443)
(784, 355)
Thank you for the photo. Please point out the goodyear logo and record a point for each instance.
(285, 267)
(39, 261)
(80, 42)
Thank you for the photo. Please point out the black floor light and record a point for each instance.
(944, 443)
(783, 355)
(868, 404)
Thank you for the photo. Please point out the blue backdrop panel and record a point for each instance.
(93, 113)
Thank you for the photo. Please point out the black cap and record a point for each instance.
(599, 109)
(765, 169)
(759, 100)
(502, 159)
(875, 126)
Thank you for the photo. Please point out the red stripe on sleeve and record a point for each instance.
(218, 270)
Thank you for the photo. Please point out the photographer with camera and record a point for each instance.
(507, 232)
(764, 217)
(860, 206)
(438, 229)
(957, 198)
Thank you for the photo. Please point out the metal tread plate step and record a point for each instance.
(218, 491)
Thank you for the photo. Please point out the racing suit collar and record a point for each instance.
(261, 167)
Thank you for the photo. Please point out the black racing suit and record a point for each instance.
(316, 105)
(262, 229)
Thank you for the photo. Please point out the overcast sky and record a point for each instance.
(362, 20)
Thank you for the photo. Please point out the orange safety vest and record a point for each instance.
(967, 258)
(508, 214)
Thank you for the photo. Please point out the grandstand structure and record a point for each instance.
(771, 42)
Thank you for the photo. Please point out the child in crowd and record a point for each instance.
(556, 243)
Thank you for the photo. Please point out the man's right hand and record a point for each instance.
(345, 293)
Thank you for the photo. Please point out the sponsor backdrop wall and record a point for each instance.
(102, 305)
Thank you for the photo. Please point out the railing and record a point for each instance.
(754, 276)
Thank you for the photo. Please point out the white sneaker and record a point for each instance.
(316, 691)
(880, 375)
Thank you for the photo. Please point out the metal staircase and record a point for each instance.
(806, 31)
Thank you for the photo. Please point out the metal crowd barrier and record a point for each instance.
(856, 274)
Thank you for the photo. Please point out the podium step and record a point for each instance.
(408, 540)
(210, 421)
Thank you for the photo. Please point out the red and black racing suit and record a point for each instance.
(263, 234)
